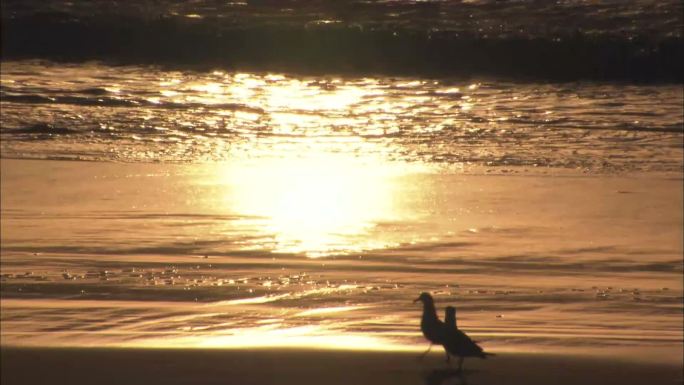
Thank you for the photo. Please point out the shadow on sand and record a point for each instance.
(447, 377)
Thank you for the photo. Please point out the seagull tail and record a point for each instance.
(485, 355)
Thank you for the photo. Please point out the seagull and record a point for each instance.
(456, 342)
(430, 325)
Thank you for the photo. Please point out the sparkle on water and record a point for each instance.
(136, 114)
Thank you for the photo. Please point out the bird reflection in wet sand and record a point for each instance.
(445, 377)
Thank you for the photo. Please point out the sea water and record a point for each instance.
(152, 201)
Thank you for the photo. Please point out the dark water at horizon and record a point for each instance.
(563, 40)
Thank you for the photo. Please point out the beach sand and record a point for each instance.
(194, 366)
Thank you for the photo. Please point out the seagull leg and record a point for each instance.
(426, 352)
(448, 356)
(460, 363)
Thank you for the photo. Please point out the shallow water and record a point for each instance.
(141, 113)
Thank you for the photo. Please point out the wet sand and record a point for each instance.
(115, 255)
(152, 366)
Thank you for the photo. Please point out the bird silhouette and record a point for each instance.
(430, 324)
(456, 342)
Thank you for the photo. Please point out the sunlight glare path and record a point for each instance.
(316, 206)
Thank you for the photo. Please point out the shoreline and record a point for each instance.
(310, 366)
(438, 169)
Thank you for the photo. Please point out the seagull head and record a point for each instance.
(450, 317)
(424, 298)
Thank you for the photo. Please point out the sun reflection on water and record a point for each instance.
(315, 205)
(276, 336)
(310, 193)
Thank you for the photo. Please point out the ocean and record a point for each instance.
(263, 173)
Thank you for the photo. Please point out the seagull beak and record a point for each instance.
(416, 300)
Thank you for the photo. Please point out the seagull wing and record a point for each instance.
(462, 345)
